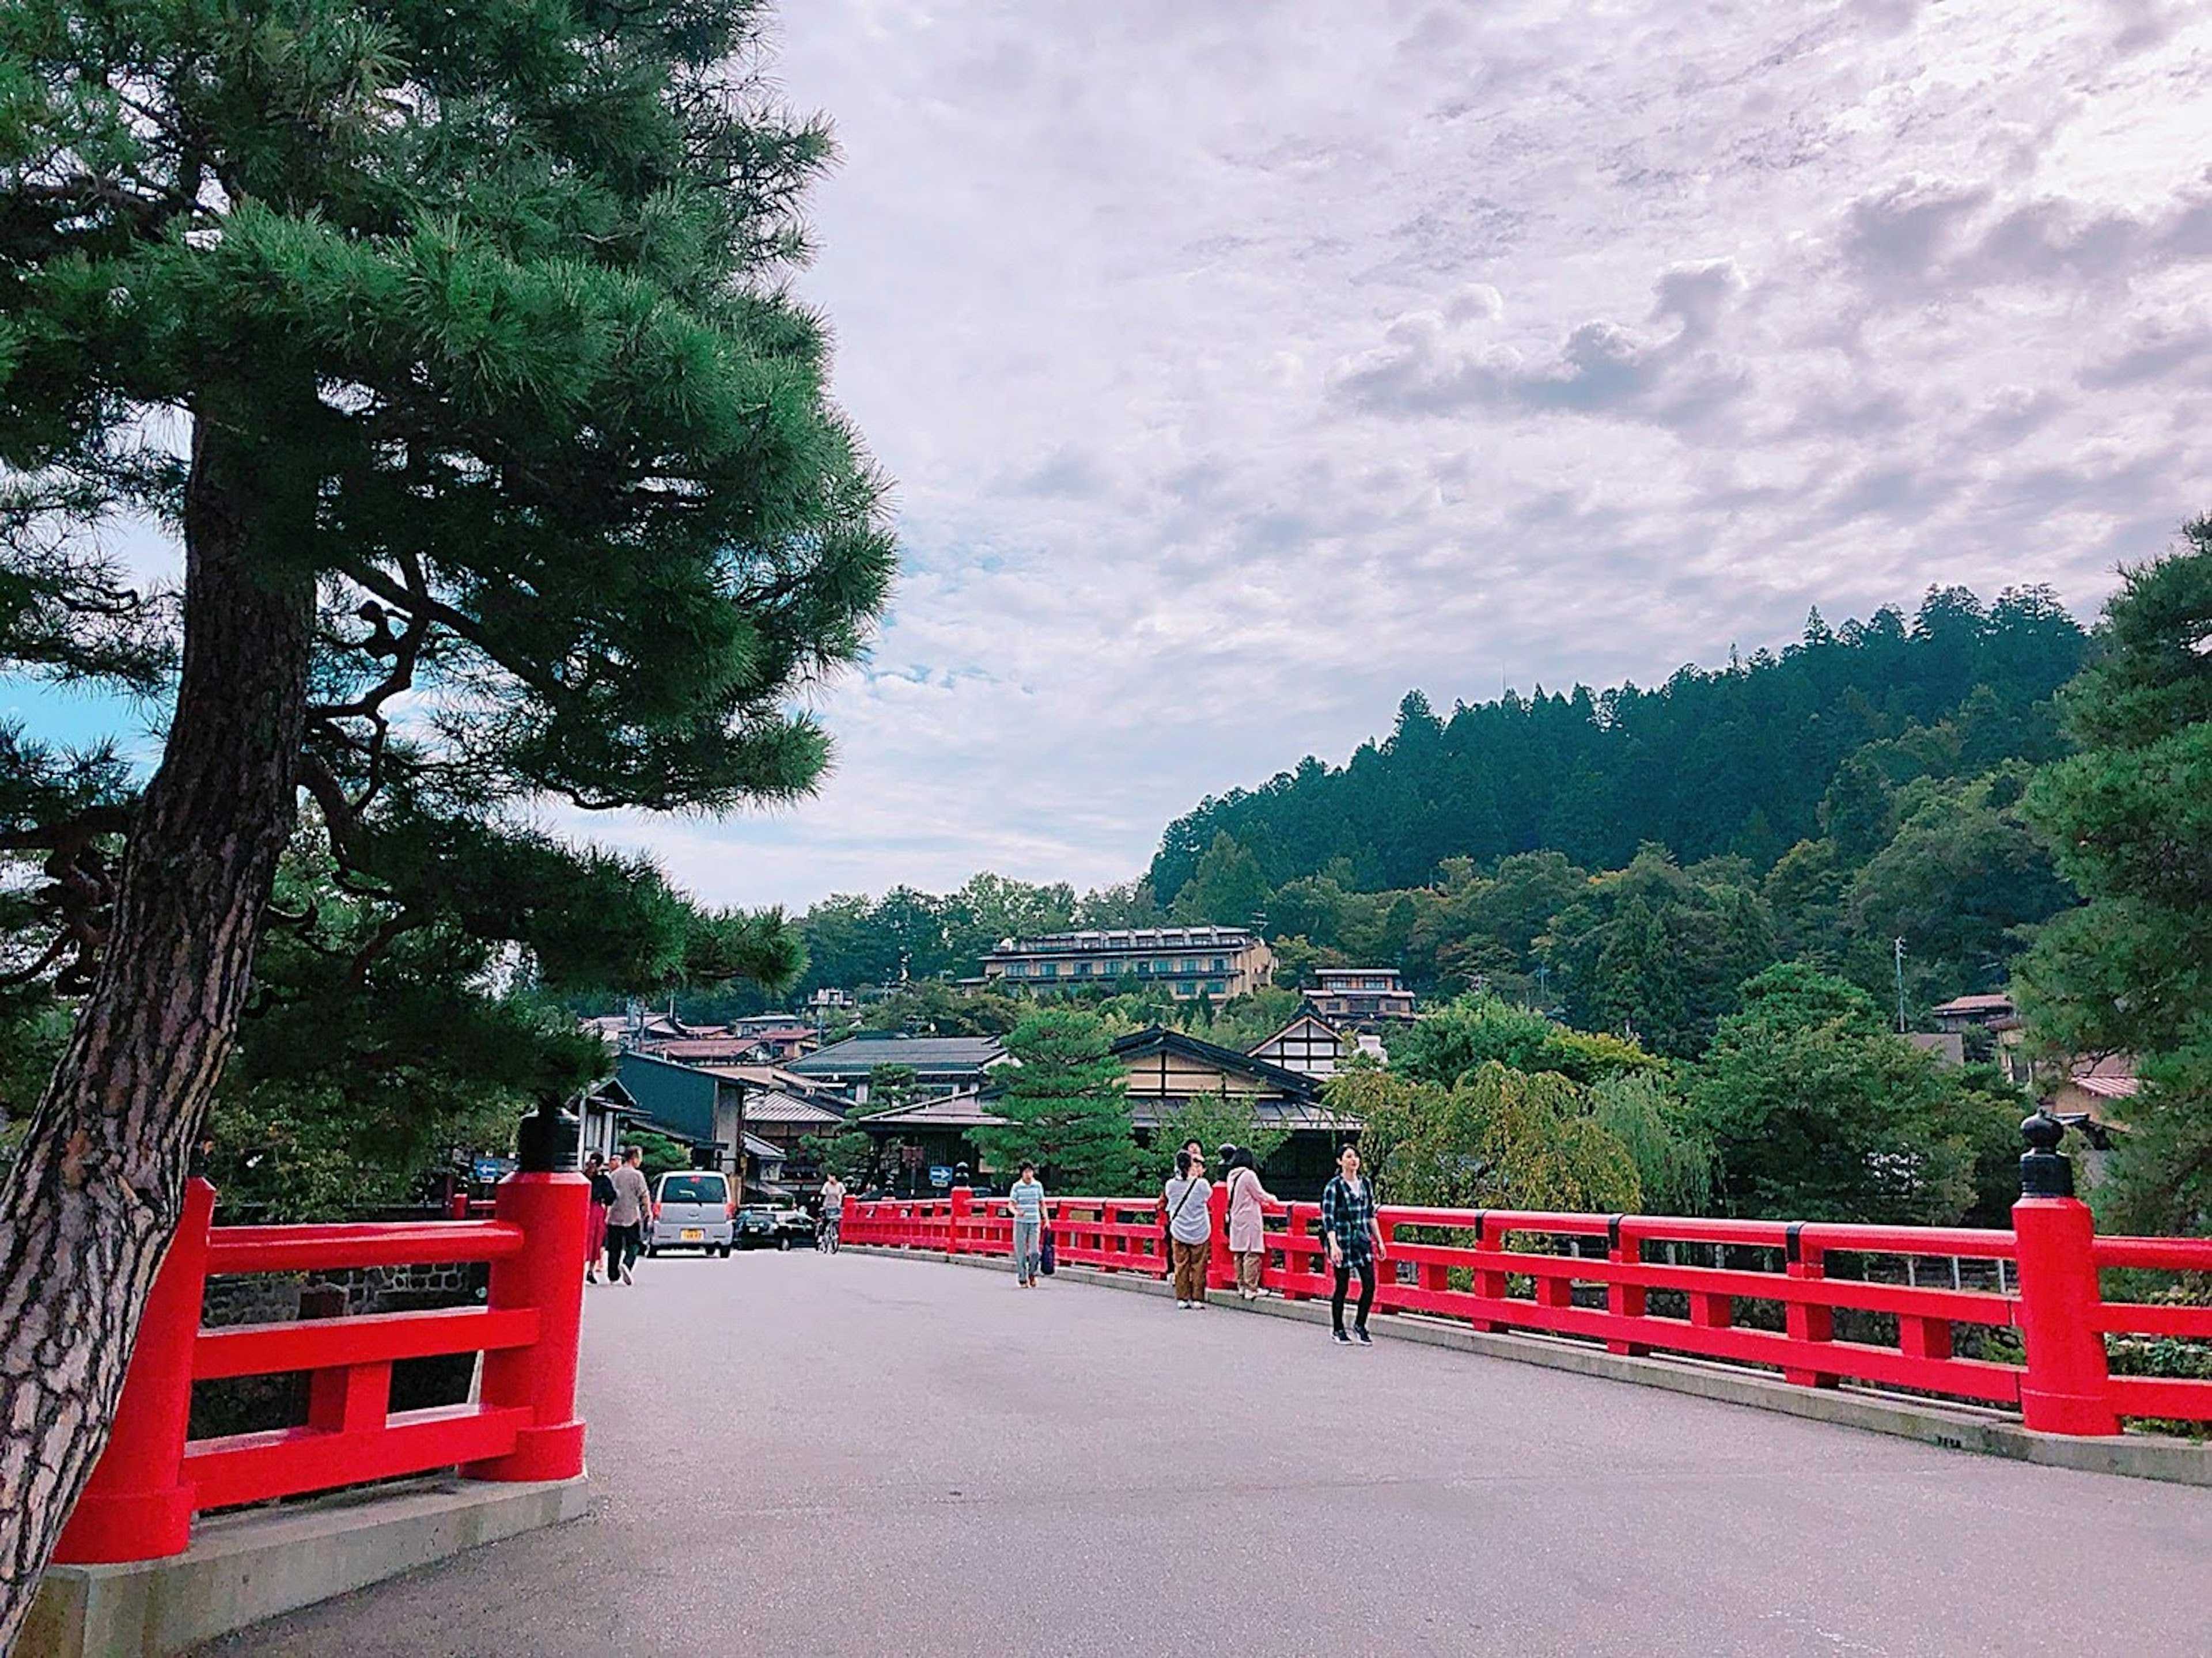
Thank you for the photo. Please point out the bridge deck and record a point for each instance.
(793, 1455)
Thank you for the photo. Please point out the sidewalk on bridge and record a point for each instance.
(1950, 1426)
(260, 1563)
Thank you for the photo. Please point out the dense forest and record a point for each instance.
(1627, 859)
(1738, 760)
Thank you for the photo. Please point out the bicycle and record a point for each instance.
(825, 1237)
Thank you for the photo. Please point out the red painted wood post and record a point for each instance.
(963, 1201)
(1624, 1300)
(136, 1505)
(2067, 1389)
(1490, 1285)
(1802, 1321)
(1220, 1265)
(548, 1274)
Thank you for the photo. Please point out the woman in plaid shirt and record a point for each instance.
(1355, 1241)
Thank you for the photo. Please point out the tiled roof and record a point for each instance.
(1977, 1005)
(857, 1055)
(961, 1110)
(779, 1107)
(1157, 938)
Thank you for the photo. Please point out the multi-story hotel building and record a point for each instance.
(1355, 994)
(1219, 962)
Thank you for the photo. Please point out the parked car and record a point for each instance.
(692, 1210)
(762, 1228)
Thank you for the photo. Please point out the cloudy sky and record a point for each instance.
(1244, 363)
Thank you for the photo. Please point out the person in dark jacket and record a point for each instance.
(595, 1218)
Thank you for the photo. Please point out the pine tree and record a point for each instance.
(2128, 816)
(1064, 1105)
(503, 472)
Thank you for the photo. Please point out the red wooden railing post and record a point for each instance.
(547, 1275)
(138, 1504)
(1802, 1320)
(2065, 1388)
(963, 1203)
(1624, 1300)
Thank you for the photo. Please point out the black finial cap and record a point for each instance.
(545, 1144)
(2044, 1170)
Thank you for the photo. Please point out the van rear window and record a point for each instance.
(694, 1188)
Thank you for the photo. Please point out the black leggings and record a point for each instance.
(1364, 1266)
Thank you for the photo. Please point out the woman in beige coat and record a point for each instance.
(1248, 1233)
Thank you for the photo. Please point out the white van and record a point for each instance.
(692, 1210)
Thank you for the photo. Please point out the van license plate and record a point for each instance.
(694, 1233)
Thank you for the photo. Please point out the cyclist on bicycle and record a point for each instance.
(833, 1214)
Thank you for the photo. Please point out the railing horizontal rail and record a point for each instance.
(256, 1466)
(362, 1338)
(241, 1250)
(2167, 1255)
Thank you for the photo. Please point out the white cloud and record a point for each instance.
(1243, 365)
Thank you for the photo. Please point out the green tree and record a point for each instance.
(1818, 1111)
(1064, 1104)
(1477, 1030)
(1672, 1153)
(1859, 810)
(504, 473)
(1217, 1120)
(1496, 1139)
(850, 1153)
(2130, 818)
(1227, 889)
(1961, 881)
(1660, 951)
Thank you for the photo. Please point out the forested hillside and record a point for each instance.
(1736, 760)
(1628, 857)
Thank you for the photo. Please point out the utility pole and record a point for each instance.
(1900, 987)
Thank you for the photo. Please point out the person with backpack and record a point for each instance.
(1355, 1241)
(1185, 1201)
(1248, 1222)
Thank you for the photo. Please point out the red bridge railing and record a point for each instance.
(1594, 1278)
(522, 1425)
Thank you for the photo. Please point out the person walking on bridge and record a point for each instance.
(1355, 1241)
(1185, 1201)
(595, 1218)
(1248, 1222)
(633, 1201)
(1026, 1196)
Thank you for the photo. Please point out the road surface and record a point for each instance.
(795, 1456)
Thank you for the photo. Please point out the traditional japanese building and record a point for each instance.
(1361, 995)
(1187, 961)
(1312, 1046)
(1168, 1069)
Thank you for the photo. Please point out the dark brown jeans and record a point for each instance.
(1190, 1269)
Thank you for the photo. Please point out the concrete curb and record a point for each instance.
(246, 1566)
(1953, 1427)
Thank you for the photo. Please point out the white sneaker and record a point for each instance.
(1180, 1304)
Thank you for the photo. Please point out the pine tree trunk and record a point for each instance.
(88, 1212)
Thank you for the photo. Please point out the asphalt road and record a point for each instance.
(795, 1456)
